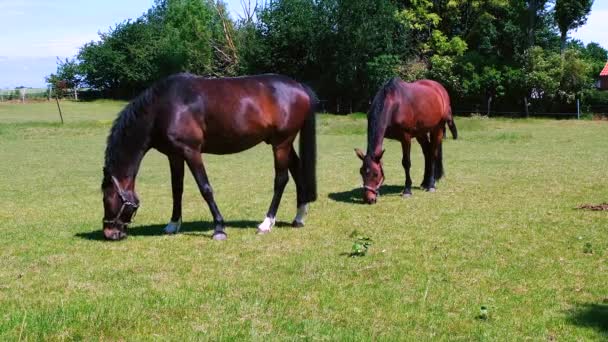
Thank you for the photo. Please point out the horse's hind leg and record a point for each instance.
(406, 145)
(195, 163)
(425, 145)
(436, 169)
(176, 164)
(296, 173)
(281, 177)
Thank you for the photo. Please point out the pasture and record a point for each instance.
(501, 232)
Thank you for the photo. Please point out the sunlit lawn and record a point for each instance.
(501, 232)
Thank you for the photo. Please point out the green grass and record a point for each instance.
(500, 232)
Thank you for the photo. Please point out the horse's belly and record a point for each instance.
(222, 145)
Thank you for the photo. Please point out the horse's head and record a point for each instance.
(120, 206)
(372, 174)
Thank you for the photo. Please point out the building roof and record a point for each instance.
(605, 70)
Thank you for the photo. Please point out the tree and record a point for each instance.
(68, 75)
(173, 36)
(570, 14)
(535, 9)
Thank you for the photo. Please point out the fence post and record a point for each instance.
(526, 105)
(489, 105)
(578, 109)
(58, 107)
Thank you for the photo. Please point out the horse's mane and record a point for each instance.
(130, 131)
(376, 122)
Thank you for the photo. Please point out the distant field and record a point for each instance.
(28, 90)
(46, 111)
(501, 232)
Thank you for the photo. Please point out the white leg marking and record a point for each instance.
(302, 211)
(267, 225)
(173, 227)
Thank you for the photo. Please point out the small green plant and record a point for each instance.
(483, 313)
(588, 248)
(360, 245)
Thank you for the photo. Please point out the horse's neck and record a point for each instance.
(126, 166)
(376, 131)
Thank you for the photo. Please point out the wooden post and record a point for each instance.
(489, 104)
(526, 104)
(578, 109)
(58, 107)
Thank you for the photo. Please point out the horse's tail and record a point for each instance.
(452, 127)
(439, 163)
(308, 150)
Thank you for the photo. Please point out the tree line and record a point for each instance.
(500, 54)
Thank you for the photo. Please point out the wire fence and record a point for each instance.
(38, 94)
(327, 106)
(522, 114)
(23, 94)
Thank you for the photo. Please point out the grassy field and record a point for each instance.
(500, 232)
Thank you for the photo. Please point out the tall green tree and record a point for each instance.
(570, 14)
(68, 76)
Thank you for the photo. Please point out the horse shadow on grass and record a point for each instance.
(203, 228)
(591, 315)
(356, 195)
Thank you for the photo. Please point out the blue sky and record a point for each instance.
(33, 33)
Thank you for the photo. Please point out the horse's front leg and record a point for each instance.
(177, 185)
(406, 145)
(195, 163)
(281, 177)
(425, 145)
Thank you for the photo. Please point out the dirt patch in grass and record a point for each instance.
(598, 207)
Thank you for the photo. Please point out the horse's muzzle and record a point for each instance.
(114, 234)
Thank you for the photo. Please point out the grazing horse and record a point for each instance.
(185, 115)
(401, 111)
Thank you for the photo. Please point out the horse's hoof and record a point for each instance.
(406, 194)
(173, 227)
(219, 236)
(114, 235)
(430, 190)
(296, 224)
(266, 226)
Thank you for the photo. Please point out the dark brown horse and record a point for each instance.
(401, 111)
(185, 115)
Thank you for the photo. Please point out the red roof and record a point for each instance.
(605, 70)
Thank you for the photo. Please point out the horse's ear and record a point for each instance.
(379, 156)
(360, 153)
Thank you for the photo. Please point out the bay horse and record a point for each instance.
(185, 115)
(401, 111)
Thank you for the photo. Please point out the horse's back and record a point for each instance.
(421, 105)
(234, 114)
(442, 93)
